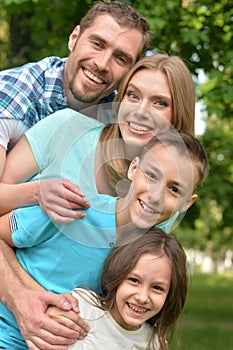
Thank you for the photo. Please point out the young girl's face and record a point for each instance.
(142, 294)
(162, 184)
(146, 108)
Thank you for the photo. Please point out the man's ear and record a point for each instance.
(189, 203)
(132, 168)
(73, 37)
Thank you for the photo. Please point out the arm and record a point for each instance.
(28, 301)
(2, 159)
(55, 196)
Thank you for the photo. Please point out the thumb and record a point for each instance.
(64, 302)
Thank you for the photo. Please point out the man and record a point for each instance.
(108, 41)
(98, 60)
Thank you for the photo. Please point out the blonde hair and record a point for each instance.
(183, 108)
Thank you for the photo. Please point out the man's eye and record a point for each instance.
(122, 60)
(96, 44)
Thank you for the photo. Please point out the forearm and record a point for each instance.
(28, 301)
(13, 277)
(18, 195)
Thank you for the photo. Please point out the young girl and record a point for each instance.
(144, 288)
(163, 182)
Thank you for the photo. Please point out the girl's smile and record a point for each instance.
(142, 294)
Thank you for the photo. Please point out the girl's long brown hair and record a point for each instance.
(121, 261)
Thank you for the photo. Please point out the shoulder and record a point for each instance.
(88, 301)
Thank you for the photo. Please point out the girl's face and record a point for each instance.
(161, 185)
(142, 294)
(146, 108)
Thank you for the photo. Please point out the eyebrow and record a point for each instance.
(175, 183)
(132, 85)
(119, 51)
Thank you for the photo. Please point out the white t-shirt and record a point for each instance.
(11, 130)
(106, 333)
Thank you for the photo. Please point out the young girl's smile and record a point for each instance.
(142, 294)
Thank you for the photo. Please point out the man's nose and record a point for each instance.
(103, 60)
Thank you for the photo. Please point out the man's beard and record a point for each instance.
(81, 98)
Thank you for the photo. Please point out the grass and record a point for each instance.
(207, 320)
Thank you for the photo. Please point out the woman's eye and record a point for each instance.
(161, 103)
(132, 96)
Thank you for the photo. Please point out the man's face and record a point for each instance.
(99, 59)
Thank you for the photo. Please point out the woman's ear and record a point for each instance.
(132, 168)
(73, 38)
(189, 203)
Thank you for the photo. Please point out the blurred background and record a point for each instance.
(201, 33)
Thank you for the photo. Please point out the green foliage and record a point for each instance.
(200, 31)
(206, 322)
(40, 28)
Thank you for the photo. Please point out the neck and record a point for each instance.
(131, 150)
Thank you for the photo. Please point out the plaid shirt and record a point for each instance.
(33, 91)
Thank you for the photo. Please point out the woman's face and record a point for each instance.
(146, 108)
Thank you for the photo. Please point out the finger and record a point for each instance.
(65, 216)
(74, 199)
(72, 187)
(52, 331)
(69, 320)
(54, 342)
(68, 298)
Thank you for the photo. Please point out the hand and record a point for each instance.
(37, 328)
(68, 318)
(59, 198)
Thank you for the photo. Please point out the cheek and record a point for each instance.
(171, 204)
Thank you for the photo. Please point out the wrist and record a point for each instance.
(35, 193)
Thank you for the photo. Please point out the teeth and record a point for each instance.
(146, 208)
(138, 127)
(140, 311)
(92, 77)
